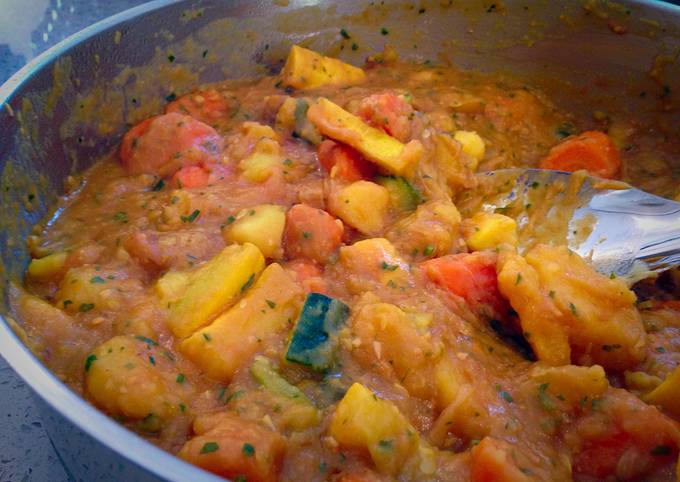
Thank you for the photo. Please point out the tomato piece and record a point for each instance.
(311, 233)
(344, 162)
(600, 457)
(162, 144)
(472, 276)
(208, 106)
(309, 275)
(388, 112)
(593, 151)
(491, 462)
(190, 177)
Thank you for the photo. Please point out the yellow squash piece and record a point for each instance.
(260, 164)
(50, 265)
(386, 151)
(210, 289)
(364, 421)
(260, 225)
(306, 69)
(489, 230)
(363, 205)
(472, 145)
(270, 307)
(571, 383)
(667, 395)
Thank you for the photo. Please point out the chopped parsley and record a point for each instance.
(572, 307)
(658, 349)
(355, 46)
(121, 216)
(429, 249)
(207, 337)
(306, 234)
(544, 398)
(170, 97)
(389, 267)
(171, 58)
(85, 307)
(160, 184)
(248, 450)
(191, 217)
(146, 340)
(67, 302)
(271, 304)
(518, 280)
(209, 447)
(384, 31)
(248, 283)
(97, 280)
(504, 395)
(386, 444)
(204, 54)
(89, 361)
(344, 33)
(661, 450)
(152, 360)
(180, 378)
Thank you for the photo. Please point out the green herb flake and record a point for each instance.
(89, 361)
(180, 378)
(271, 304)
(182, 407)
(171, 58)
(544, 398)
(191, 217)
(572, 307)
(248, 283)
(207, 337)
(121, 216)
(152, 360)
(384, 31)
(160, 184)
(209, 447)
(518, 280)
(551, 294)
(204, 54)
(248, 450)
(146, 340)
(389, 267)
(355, 46)
(323, 467)
(429, 249)
(504, 395)
(344, 33)
(240, 478)
(596, 404)
(85, 307)
(97, 280)
(386, 445)
(661, 450)
(67, 302)
(306, 234)
(658, 349)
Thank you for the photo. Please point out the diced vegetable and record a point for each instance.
(205, 292)
(570, 383)
(47, 267)
(262, 161)
(162, 144)
(492, 461)
(393, 343)
(235, 448)
(267, 310)
(311, 233)
(542, 322)
(315, 337)
(489, 230)
(121, 378)
(306, 69)
(304, 128)
(262, 226)
(207, 106)
(667, 395)
(308, 274)
(403, 196)
(363, 205)
(456, 168)
(85, 288)
(374, 261)
(344, 162)
(190, 177)
(593, 151)
(364, 421)
(433, 230)
(388, 112)
(386, 151)
(300, 412)
(472, 145)
(470, 276)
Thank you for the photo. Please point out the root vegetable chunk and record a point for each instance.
(260, 225)
(306, 69)
(363, 205)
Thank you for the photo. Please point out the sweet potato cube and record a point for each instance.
(306, 69)
(386, 151)
(489, 230)
(269, 307)
(363, 205)
(209, 289)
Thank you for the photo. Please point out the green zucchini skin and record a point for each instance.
(315, 336)
(404, 196)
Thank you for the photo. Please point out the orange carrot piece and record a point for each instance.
(190, 177)
(593, 151)
(344, 162)
(311, 233)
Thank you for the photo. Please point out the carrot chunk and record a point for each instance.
(593, 151)
(311, 233)
(208, 106)
(190, 177)
(344, 162)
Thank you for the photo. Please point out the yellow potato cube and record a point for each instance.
(260, 164)
(209, 289)
(260, 225)
(458, 170)
(374, 260)
(667, 395)
(472, 144)
(306, 69)
(364, 421)
(489, 230)
(570, 382)
(386, 151)
(363, 205)
(269, 308)
(123, 378)
(47, 267)
(285, 117)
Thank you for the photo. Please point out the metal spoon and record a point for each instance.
(623, 231)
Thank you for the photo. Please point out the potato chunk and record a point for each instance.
(196, 297)
(260, 225)
(561, 299)
(494, 460)
(386, 151)
(363, 205)
(394, 343)
(571, 383)
(489, 230)
(306, 69)
(667, 395)
(47, 267)
(231, 447)
(373, 262)
(366, 422)
(456, 166)
(472, 144)
(124, 377)
(269, 308)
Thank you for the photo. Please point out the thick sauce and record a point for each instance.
(271, 281)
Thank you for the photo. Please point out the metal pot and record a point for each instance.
(70, 105)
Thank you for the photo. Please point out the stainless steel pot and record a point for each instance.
(71, 104)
